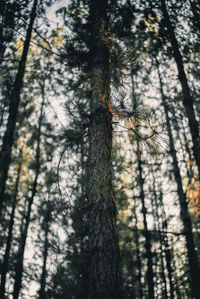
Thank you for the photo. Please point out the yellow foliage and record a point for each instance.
(20, 44)
(57, 39)
(152, 22)
(144, 56)
(193, 194)
(24, 157)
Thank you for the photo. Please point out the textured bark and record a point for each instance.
(104, 277)
(147, 235)
(187, 97)
(5, 264)
(8, 139)
(104, 256)
(185, 216)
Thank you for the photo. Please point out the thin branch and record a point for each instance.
(42, 47)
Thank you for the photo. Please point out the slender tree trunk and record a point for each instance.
(8, 139)
(177, 283)
(5, 263)
(147, 235)
(138, 259)
(160, 234)
(84, 204)
(187, 97)
(190, 173)
(20, 258)
(185, 217)
(45, 254)
(169, 267)
(104, 278)
(168, 256)
(139, 264)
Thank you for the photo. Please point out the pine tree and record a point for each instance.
(5, 154)
(103, 243)
(5, 264)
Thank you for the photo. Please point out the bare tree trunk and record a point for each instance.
(5, 263)
(8, 139)
(185, 216)
(147, 235)
(104, 278)
(45, 254)
(138, 258)
(157, 220)
(168, 255)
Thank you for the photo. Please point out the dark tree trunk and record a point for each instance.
(5, 263)
(136, 234)
(5, 154)
(157, 220)
(167, 251)
(104, 278)
(147, 235)
(169, 267)
(187, 97)
(138, 259)
(45, 254)
(177, 282)
(185, 217)
(20, 258)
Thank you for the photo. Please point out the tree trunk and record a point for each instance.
(150, 281)
(139, 264)
(138, 258)
(147, 235)
(5, 263)
(168, 255)
(185, 217)
(187, 97)
(104, 278)
(45, 254)
(19, 265)
(157, 220)
(8, 139)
